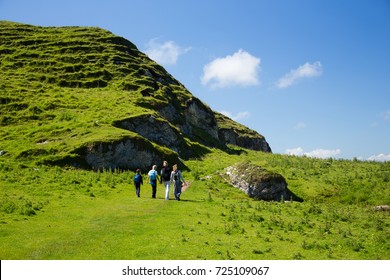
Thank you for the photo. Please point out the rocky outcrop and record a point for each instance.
(200, 116)
(258, 183)
(127, 153)
(163, 133)
(233, 133)
(251, 142)
(155, 129)
(194, 119)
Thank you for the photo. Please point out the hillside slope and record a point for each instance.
(83, 96)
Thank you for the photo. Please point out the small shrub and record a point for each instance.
(26, 208)
(210, 198)
(257, 252)
(7, 206)
(256, 218)
(66, 116)
(298, 256)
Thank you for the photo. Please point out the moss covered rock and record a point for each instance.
(258, 182)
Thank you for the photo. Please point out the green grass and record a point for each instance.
(95, 215)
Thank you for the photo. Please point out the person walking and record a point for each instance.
(165, 178)
(138, 182)
(178, 180)
(152, 174)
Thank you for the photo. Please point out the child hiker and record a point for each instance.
(153, 180)
(138, 182)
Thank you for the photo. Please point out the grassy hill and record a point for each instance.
(66, 90)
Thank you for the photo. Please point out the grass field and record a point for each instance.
(54, 213)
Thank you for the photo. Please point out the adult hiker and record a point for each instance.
(152, 174)
(178, 180)
(138, 182)
(165, 178)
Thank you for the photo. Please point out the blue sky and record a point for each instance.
(313, 77)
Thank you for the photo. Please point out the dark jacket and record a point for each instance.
(165, 174)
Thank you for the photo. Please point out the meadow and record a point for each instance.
(67, 213)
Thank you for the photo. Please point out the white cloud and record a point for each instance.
(321, 153)
(295, 151)
(241, 68)
(306, 70)
(236, 117)
(318, 153)
(166, 53)
(380, 157)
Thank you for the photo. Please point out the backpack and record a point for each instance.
(153, 175)
(137, 178)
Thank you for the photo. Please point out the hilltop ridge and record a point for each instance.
(85, 97)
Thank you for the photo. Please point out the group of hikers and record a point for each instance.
(166, 177)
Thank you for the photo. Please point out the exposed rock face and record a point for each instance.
(251, 142)
(200, 116)
(258, 183)
(196, 120)
(129, 153)
(163, 133)
(155, 129)
(236, 134)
